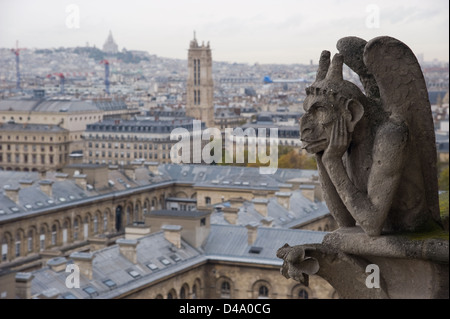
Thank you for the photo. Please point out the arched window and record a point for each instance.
(183, 293)
(18, 244)
(136, 213)
(86, 227)
(53, 235)
(95, 224)
(153, 204)
(30, 241)
(225, 290)
(4, 249)
(105, 222)
(128, 215)
(64, 232)
(76, 226)
(42, 239)
(263, 292)
(303, 294)
(194, 292)
(118, 218)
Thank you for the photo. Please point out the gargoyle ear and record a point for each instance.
(355, 113)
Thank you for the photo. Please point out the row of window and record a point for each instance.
(36, 138)
(33, 159)
(261, 290)
(128, 146)
(110, 154)
(79, 229)
(34, 147)
(85, 118)
(134, 128)
(54, 119)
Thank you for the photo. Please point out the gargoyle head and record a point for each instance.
(296, 264)
(329, 98)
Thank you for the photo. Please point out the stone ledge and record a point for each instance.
(354, 241)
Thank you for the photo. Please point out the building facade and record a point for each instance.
(33, 147)
(90, 208)
(121, 142)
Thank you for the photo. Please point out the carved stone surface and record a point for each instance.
(376, 157)
(407, 268)
(376, 151)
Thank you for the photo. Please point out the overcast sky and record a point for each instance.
(249, 31)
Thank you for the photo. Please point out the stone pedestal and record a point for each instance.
(363, 267)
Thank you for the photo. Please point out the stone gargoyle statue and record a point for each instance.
(377, 164)
(375, 151)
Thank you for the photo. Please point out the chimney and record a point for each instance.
(283, 198)
(46, 187)
(136, 231)
(127, 247)
(81, 180)
(311, 189)
(259, 194)
(152, 167)
(23, 285)
(51, 293)
(252, 232)
(267, 221)
(172, 233)
(42, 174)
(236, 202)
(61, 176)
(113, 167)
(12, 193)
(286, 187)
(25, 183)
(137, 163)
(230, 214)
(84, 262)
(260, 205)
(57, 264)
(130, 172)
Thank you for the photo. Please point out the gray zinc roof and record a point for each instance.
(47, 105)
(227, 242)
(110, 264)
(114, 274)
(301, 211)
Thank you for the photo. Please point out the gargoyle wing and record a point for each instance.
(352, 48)
(404, 94)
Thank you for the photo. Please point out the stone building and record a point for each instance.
(33, 147)
(200, 86)
(196, 260)
(123, 142)
(71, 115)
(88, 207)
(42, 132)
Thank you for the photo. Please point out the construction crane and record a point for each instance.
(61, 80)
(106, 63)
(16, 52)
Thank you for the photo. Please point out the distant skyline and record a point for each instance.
(248, 31)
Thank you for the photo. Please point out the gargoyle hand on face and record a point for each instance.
(339, 140)
(296, 265)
